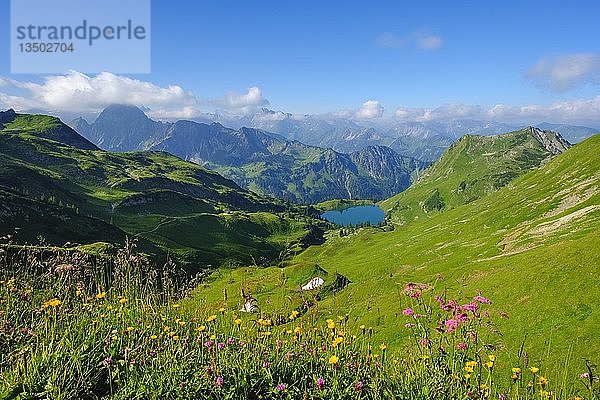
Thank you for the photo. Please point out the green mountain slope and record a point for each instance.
(51, 177)
(531, 247)
(471, 168)
(266, 163)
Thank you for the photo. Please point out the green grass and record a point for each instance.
(530, 245)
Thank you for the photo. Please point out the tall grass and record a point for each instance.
(77, 326)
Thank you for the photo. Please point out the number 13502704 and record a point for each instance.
(57, 47)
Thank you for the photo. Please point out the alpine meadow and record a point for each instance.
(163, 236)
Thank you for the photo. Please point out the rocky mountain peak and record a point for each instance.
(552, 141)
(7, 116)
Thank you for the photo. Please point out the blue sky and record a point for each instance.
(324, 56)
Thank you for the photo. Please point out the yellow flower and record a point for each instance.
(543, 381)
(492, 357)
(297, 330)
(181, 323)
(123, 300)
(166, 328)
(467, 376)
(333, 359)
(175, 337)
(490, 364)
(469, 370)
(330, 324)
(130, 328)
(201, 328)
(171, 334)
(340, 318)
(362, 327)
(294, 315)
(213, 337)
(336, 341)
(516, 370)
(471, 363)
(153, 337)
(211, 318)
(534, 370)
(101, 295)
(237, 321)
(51, 303)
(222, 310)
(175, 306)
(383, 346)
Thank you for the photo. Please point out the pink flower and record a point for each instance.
(220, 346)
(424, 342)
(472, 306)
(482, 299)
(231, 341)
(461, 346)
(503, 314)
(408, 312)
(409, 325)
(219, 382)
(461, 317)
(451, 325)
(320, 383)
(358, 386)
(280, 387)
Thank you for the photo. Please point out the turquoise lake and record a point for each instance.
(353, 216)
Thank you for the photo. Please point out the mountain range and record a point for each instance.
(264, 162)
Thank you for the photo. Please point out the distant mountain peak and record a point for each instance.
(552, 141)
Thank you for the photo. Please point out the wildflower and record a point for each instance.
(362, 328)
(534, 370)
(490, 364)
(230, 341)
(451, 325)
(107, 361)
(333, 359)
(482, 300)
(280, 387)
(471, 363)
(208, 344)
(219, 381)
(211, 318)
(266, 333)
(472, 306)
(585, 375)
(424, 342)
(516, 370)
(543, 381)
(153, 337)
(266, 364)
(492, 357)
(220, 346)
(408, 312)
(336, 341)
(130, 329)
(320, 383)
(294, 315)
(330, 324)
(502, 396)
(358, 386)
(101, 295)
(201, 328)
(222, 310)
(383, 346)
(122, 300)
(51, 303)
(297, 330)
(181, 323)
(461, 346)
(175, 337)
(237, 321)
(503, 314)
(166, 328)
(409, 325)
(175, 306)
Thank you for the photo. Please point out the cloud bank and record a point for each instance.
(566, 72)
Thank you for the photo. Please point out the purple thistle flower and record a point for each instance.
(320, 383)
(358, 386)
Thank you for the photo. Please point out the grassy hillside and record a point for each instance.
(58, 185)
(531, 246)
(471, 168)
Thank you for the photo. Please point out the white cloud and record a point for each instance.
(580, 111)
(75, 92)
(246, 103)
(429, 42)
(370, 109)
(422, 40)
(566, 72)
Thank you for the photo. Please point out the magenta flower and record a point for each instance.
(320, 383)
(107, 361)
(462, 317)
(208, 344)
(220, 346)
(482, 299)
(452, 325)
(219, 382)
(266, 364)
(408, 312)
(502, 396)
(461, 346)
(231, 341)
(358, 386)
(424, 342)
(503, 314)
(409, 325)
(472, 306)
(280, 387)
